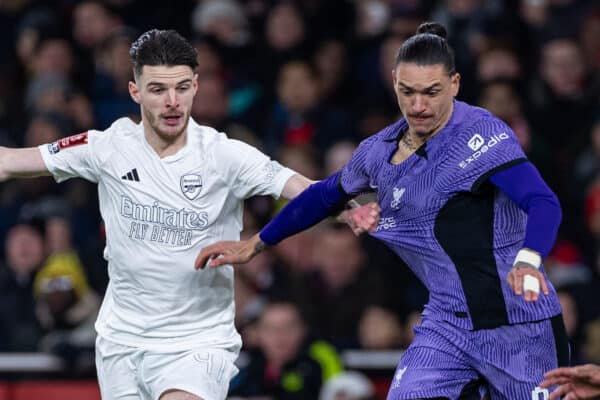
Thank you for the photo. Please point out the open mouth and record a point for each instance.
(172, 119)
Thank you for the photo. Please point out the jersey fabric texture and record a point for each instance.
(508, 362)
(450, 225)
(159, 213)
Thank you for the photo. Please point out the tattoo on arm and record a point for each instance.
(259, 247)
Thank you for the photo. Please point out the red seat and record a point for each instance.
(4, 391)
(55, 390)
(382, 385)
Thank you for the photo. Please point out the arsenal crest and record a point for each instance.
(191, 185)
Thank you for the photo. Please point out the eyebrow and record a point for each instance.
(427, 89)
(160, 84)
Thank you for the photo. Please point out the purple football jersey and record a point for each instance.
(441, 215)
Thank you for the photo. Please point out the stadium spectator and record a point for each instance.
(345, 284)
(300, 118)
(287, 364)
(380, 329)
(19, 328)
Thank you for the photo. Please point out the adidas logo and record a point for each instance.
(131, 176)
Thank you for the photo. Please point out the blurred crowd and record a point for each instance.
(305, 81)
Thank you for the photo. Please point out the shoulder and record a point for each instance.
(473, 117)
(220, 151)
(388, 134)
(121, 129)
(219, 143)
(477, 126)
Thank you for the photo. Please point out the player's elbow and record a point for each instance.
(554, 207)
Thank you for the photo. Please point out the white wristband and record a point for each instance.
(531, 283)
(529, 257)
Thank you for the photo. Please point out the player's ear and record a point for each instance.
(134, 91)
(455, 83)
(195, 83)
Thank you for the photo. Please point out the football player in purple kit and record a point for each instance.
(470, 215)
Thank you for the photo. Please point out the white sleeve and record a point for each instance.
(251, 172)
(72, 157)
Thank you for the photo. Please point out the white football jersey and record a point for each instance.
(158, 214)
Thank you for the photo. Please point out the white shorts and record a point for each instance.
(130, 373)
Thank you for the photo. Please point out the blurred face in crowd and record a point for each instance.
(54, 56)
(331, 61)
(41, 131)
(280, 333)
(498, 63)
(379, 329)
(92, 24)
(208, 59)
(340, 257)
(501, 100)
(425, 94)
(24, 249)
(285, 28)
(387, 58)
(117, 60)
(210, 104)
(298, 87)
(165, 94)
(563, 67)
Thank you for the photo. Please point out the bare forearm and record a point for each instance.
(295, 185)
(21, 163)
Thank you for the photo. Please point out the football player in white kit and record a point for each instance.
(167, 187)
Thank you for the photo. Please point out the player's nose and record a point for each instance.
(172, 98)
(419, 104)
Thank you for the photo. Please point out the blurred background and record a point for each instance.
(324, 315)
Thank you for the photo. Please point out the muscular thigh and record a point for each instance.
(513, 359)
(194, 374)
(434, 367)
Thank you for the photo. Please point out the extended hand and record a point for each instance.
(516, 276)
(229, 252)
(361, 219)
(580, 382)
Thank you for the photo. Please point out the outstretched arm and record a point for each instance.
(359, 218)
(523, 184)
(310, 207)
(21, 163)
(295, 185)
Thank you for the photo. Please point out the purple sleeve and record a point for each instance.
(475, 151)
(523, 184)
(314, 204)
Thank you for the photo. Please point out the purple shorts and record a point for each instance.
(507, 362)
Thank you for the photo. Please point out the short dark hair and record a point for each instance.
(162, 47)
(428, 47)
